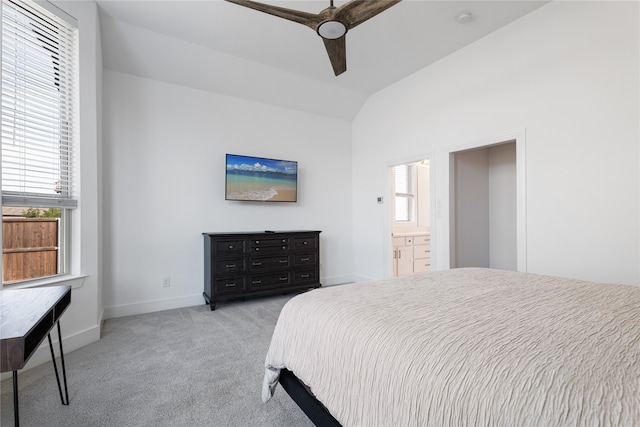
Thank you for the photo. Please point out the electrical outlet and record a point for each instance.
(166, 282)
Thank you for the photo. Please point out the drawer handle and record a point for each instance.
(284, 248)
(304, 259)
(230, 265)
(284, 240)
(230, 246)
(304, 276)
(283, 261)
(256, 282)
(257, 249)
(256, 264)
(229, 285)
(257, 242)
(305, 243)
(282, 279)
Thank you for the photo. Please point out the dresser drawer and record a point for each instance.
(305, 259)
(256, 264)
(230, 285)
(309, 242)
(305, 276)
(266, 281)
(269, 250)
(230, 266)
(229, 247)
(281, 241)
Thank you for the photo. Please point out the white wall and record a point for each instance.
(164, 156)
(567, 75)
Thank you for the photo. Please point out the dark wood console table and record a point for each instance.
(26, 317)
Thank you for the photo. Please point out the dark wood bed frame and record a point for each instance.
(303, 397)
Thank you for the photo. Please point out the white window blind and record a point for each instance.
(403, 193)
(403, 179)
(39, 80)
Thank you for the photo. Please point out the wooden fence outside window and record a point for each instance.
(29, 248)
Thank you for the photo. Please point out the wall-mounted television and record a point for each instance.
(260, 179)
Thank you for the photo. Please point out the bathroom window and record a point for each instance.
(404, 193)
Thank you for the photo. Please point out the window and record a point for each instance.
(39, 104)
(404, 188)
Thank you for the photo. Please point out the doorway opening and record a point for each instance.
(483, 189)
(411, 217)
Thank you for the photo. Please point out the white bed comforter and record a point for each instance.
(466, 347)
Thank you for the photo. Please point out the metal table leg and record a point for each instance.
(16, 417)
(55, 367)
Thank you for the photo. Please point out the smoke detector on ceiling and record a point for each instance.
(463, 17)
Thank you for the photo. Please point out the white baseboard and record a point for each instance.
(69, 344)
(336, 280)
(358, 279)
(152, 306)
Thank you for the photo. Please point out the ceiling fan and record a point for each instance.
(331, 24)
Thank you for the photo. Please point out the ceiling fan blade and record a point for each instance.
(304, 18)
(337, 50)
(331, 24)
(357, 11)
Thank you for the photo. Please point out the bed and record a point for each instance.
(461, 347)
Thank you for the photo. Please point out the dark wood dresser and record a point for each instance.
(242, 265)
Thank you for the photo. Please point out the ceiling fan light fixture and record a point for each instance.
(332, 30)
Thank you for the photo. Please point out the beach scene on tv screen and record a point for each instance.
(259, 179)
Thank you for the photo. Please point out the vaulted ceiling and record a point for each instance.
(222, 47)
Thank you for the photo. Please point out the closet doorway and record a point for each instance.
(483, 191)
(411, 217)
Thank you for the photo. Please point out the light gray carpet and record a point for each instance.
(183, 367)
